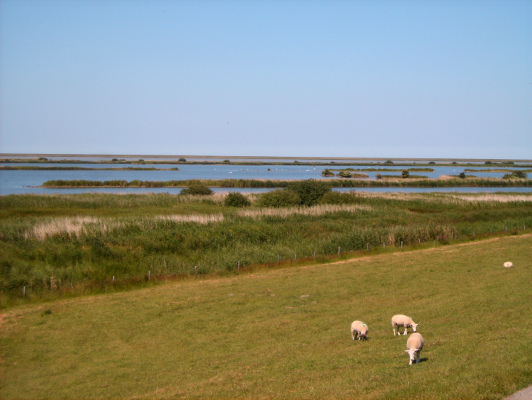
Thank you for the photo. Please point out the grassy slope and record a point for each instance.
(285, 333)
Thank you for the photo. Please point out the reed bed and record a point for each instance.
(390, 181)
(59, 245)
(75, 226)
(318, 210)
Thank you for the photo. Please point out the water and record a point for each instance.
(29, 181)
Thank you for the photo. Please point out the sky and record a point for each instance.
(286, 78)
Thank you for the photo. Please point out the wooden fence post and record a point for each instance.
(195, 271)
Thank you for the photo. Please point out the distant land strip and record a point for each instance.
(280, 161)
(258, 183)
(39, 168)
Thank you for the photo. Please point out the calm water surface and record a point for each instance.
(27, 182)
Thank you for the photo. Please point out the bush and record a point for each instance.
(515, 174)
(405, 174)
(235, 199)
(327, 172)
(309, 191)
(279, 198)
(197, 190)
(344, 174)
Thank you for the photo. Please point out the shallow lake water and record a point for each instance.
(29, 181)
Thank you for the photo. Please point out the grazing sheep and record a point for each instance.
(414, 344)
(360, 329)
(508, 264)
(403, 320)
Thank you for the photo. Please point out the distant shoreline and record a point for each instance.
(214, 157)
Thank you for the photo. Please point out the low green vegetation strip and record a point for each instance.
(41, 168)
(62, 245)
(333, 183)
(285, 333)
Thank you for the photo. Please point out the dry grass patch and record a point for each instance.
(76, 226)
(310, 211)
(497, 197)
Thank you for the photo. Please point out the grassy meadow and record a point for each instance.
(54, 246)
(284, 333)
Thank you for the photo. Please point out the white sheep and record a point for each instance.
(403, 320)
(508, 264)
(414, 345)
(360, 329)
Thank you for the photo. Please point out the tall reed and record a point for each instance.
(54, 244)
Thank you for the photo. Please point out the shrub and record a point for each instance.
(279, 198)
(309, 191)
(515, 174)
(345, 174)
(197, 190)
(462, 175)
(235, 199)
(405, 174)
(327, 172)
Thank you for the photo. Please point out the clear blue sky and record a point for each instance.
(361, 78)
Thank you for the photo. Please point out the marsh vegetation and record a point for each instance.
(62, 245)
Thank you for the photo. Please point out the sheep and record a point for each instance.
(414, 344)
(360, 329)
(403, 320)
(508, 264)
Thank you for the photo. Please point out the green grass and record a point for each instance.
(285, 333)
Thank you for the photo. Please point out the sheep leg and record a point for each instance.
(406, 331)
(417, 362)
(394, 330)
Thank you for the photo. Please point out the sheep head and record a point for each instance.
(412, 354)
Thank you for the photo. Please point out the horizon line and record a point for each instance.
(163, 156)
